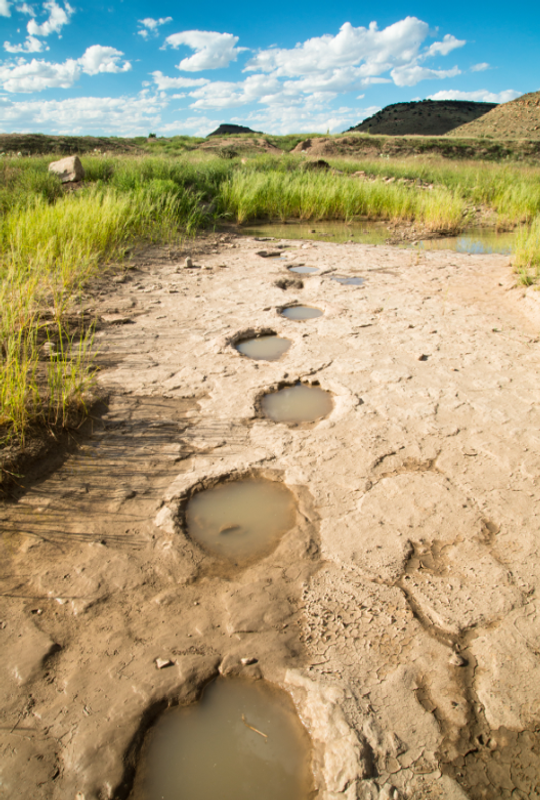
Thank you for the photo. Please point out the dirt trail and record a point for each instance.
(400, 612)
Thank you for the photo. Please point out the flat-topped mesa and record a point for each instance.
(228, 128)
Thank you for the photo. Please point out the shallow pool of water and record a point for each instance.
(473, 240)
(297, 404)
(264, 348)
(240, 519)
(365, 232)
(348, 281)
(242, 741)
(301, 312)
(303, 270)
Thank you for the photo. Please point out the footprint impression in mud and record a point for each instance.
(263, 348)
(241, 740)
(240, 519)
(296, 404)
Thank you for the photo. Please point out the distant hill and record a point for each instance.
(228, 128)
(423, 118)
(518, 119)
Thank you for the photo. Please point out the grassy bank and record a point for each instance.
(52, 242)
(308, 196)
(51, 245)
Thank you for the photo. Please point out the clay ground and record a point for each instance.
(401, 612)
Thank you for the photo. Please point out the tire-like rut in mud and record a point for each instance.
(400, 610)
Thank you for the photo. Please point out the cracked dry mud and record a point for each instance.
(401, 610)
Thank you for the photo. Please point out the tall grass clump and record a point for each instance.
(49, 249)
(306, 195)
(527, 253)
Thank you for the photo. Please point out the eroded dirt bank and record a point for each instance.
(400, 612)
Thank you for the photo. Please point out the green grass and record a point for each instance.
(52, 243)
(319, 196)
(527, 253)
(50, 247)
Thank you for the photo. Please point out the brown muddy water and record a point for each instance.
(297, 404)
(241, 741)
(241, 519)
(301, 312)
(264, 348)
(472, 240)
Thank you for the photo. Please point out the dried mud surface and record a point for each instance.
(400, 612)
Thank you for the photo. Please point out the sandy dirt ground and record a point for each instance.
(401, 611)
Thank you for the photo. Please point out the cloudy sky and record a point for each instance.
(129, 67)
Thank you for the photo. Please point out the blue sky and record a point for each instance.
(127, 68)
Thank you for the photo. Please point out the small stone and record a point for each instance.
(457, 661)
(68, 169)
(189, 263)
(161, 663)
(247, 661)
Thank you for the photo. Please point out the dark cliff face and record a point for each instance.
(425, 117)
(228, 128)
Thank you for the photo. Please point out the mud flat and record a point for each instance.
(399, 611)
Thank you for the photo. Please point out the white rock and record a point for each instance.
(68, 169)
(161, 663)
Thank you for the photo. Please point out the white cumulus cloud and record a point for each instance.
(38, 75)
(31, 45)
(58, 17)
(150, 26)
(126, 116)
(481, 96)
(193, 126)
(448, 44)
(413, 74)
(35, 76)
(163, 82)
(5, 8)
(212, 50)
(480, 67)
(378, 50)
(102, 59)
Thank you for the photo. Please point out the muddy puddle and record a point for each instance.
(302, 270)
(241, 519)
(348, 281)
(264, 348)
(472, 240)
(301, 312)
(336, 232)
(242, 740)
(298, 403)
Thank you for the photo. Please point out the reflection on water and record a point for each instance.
(241, 518)
(297, 404)
(301, 312)
(365, 232)
(241, 741)
(264, 348)
(472, 240)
